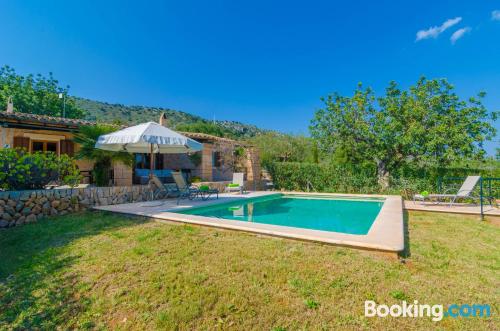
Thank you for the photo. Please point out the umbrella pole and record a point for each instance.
(151, 168)
(151, 161)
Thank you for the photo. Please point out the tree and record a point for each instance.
(36, 94)
(428, 123)
(103, 160)
(279, 147)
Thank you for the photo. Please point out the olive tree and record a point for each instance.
(426, 123)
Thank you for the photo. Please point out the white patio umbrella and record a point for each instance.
(150, 138)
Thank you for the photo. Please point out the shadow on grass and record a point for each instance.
(37, 288)
(406, 252)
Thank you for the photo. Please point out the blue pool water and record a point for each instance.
(309, 212)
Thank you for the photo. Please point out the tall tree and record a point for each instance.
(36, 94)
(426, 123)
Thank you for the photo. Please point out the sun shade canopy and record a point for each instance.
(146, 136)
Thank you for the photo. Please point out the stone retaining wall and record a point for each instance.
(20, 207)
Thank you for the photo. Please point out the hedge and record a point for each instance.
(294, 176)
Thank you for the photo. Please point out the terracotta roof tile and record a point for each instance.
(44, 119)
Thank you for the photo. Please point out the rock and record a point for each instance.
(53, 212)
(36, 210)
(14, 195)
(55, 203)
(6, 217)
(2, 203)
(103, 201)
(31, 218)
(26, 211)
(25, 195)
(40, 216)
(63, 205)
(11, 203)
(10, 210)
(46, 207)
(42, 200)
(19, 206)
(20, 221)
(85, 202)
(4, 224)
(17, 215)
(62, 213)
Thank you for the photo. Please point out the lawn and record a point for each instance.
(104, 271)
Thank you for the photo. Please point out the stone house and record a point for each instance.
(217, 162)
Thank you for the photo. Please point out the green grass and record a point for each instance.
(103, 271)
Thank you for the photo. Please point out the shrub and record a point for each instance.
(20, 170)
(325, 177)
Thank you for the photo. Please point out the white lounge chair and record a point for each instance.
(465, 191)
(237, 180)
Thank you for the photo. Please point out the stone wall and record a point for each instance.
(20, 207)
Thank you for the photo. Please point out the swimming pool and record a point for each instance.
(373, 222)
(336, 214)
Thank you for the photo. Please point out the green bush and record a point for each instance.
(296, 176)
(20, 170)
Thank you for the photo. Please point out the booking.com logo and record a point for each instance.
(437, 312)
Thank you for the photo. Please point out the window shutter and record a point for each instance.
(67, 147)
(22, 142)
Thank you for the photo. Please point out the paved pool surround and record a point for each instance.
(386, 233)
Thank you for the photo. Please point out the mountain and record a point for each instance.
(118, 113)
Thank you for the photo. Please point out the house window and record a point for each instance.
(217, 159)
(43, 146)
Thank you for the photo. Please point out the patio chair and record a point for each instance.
(464, 192)
(190, 191)
(169, 190)
(238, 184)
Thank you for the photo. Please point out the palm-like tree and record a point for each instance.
(103, 160)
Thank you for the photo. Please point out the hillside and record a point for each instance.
(118, 113)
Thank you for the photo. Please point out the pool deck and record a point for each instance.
(488, 210)
(386, 233)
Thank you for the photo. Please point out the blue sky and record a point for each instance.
(260, 62)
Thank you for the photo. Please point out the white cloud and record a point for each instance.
(495, 15)
(435, 31)
(459, 34)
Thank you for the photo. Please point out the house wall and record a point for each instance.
(253, 170)
(204, 169)
(7, 140)
(123, 174)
